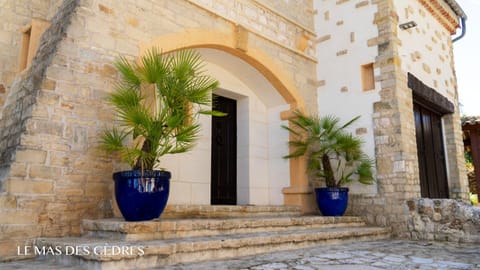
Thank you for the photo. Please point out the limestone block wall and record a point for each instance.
(278, 22)
(53, 175)
(26, 183)
(16, 15)
(300, 12)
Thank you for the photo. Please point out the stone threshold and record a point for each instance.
(223, 211)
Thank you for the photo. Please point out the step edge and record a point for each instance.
(114, 225)
(199, 233)
(235, 242)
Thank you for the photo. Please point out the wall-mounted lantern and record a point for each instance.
(407, 25)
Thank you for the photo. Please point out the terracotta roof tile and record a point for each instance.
(470, 120)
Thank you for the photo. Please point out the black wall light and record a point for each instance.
(407, 25)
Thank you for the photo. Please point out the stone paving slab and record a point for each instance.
(389, 254)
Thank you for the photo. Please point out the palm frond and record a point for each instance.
(325, 141)
(186, 64)
(112, 140)
(292, 131)
(350, 122)
(364, 171)
(213, 113)
(128, 71)
(168, 124)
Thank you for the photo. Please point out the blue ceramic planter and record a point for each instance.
(141, 195)
(332, 201)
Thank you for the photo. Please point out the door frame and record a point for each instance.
(429, 99)
(431, 152)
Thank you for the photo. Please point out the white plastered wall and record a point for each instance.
(343, 31)
(261, 143)
(425, 51)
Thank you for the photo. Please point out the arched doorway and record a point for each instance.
(264, 95)
(261, 143)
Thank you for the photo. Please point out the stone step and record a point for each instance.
(118, 229)
(95, 253)
(215, 211)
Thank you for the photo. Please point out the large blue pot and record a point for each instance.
(141, 195)
(332, 201)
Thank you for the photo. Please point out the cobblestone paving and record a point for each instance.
(390, 254)
(396, 254)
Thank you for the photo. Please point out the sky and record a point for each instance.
(467, 60)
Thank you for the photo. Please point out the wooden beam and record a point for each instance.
(429, 97)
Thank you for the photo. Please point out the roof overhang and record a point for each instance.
(456, 8)
(447, 12)
(469, 122)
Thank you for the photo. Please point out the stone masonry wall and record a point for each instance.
(391, 119)
(21, 99)
(457, 170)
(18, 217)
(427, 53)
(394, 132)
(444, 220)
(55, 174)
(15, 15)
(394, 128)
(295, 12)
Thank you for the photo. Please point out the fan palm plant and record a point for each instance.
(332, 153)
(157, 102)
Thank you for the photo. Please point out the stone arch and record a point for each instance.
(235, 43)
(228, 42)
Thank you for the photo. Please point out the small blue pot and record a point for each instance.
(141, 195)
(332, 201)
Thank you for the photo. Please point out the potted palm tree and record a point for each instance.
(333, 155)
(157, 102)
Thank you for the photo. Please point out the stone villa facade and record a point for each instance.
(343, 57)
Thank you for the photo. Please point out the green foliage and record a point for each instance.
(468, 156)
(468, 160)
(473, 199)
(332, 153)
(157, 102)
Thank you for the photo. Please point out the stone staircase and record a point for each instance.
(196, 233)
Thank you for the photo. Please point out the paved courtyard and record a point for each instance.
(396, 254)
(393, 254)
